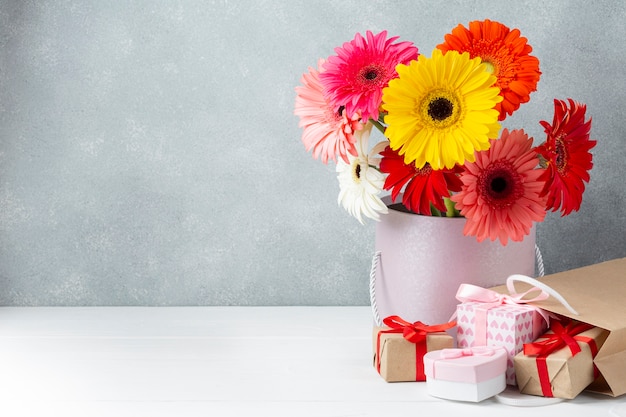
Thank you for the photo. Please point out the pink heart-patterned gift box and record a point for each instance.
(505, 325)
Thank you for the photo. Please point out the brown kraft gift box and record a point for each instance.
(398, 359)
(568, 375)
(598, 294)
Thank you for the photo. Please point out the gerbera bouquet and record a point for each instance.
(445, 152)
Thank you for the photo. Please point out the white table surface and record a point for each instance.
(217, 361)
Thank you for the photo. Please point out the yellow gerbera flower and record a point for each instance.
(440, 110)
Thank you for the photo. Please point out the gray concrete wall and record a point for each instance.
(149, 154)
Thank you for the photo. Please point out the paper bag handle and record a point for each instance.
(510, 285)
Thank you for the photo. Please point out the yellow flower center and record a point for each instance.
(441, 108)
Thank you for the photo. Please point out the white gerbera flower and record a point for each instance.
(360, 181)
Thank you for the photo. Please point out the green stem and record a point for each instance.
(451, 210)
(378, 125)
(434, 211)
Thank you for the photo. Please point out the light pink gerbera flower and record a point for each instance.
(356, 76)
(326, 131)
(501, 194)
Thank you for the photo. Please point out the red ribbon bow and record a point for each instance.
(562, 336)
(415, 333)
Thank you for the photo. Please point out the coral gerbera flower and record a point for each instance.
(501, 195)
(567, 156)
(441, 110)
(360, 181)
(424, 186)
(328, 132)
(355, 77)
(506, 54)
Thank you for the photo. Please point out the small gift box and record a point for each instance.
(560, 363)
(399, 347)
(470, 374)
(487, 318)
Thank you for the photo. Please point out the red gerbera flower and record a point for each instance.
(506, 54)
(356, 76)
(567, 155)
(424, 186)
(501, 195)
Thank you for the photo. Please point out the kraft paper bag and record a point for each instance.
(598, 294)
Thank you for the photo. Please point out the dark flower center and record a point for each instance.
(372, 74)
(440, 108)
(500, 185)
(424, 171)
(357, 171)
(561, 155)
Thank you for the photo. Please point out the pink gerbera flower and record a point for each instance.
(356, 76)
(327, 131)
(422, 186)
(501, 195)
